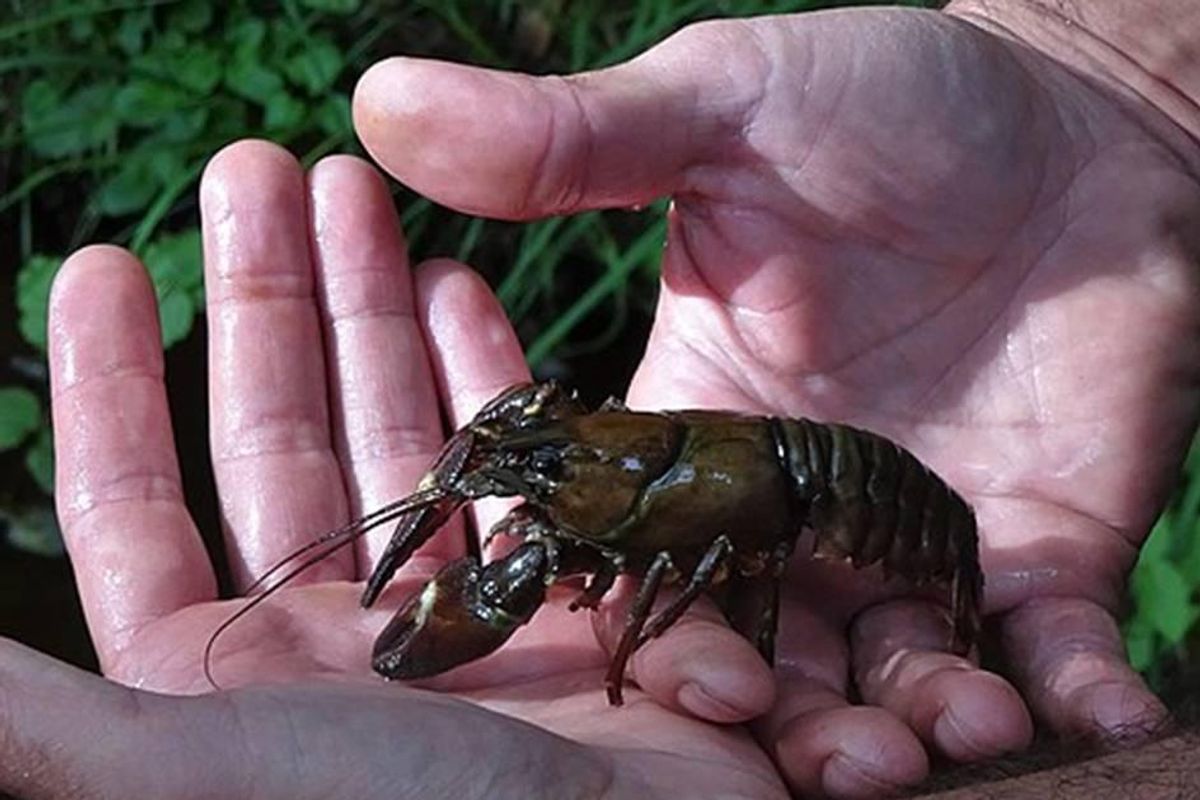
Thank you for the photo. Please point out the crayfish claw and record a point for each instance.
(416, 527)
(464, 612)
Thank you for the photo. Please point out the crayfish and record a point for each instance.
(699, 498)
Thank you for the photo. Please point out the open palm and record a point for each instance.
(907, 222)
(327, 362)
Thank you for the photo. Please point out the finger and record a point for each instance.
(472, 346)
(552, 145)
(45, 707)
(698, 666)
(66, 733)
(822, 744)
(900, 663)
(136, 553)
(1069, 662)
(279, 482)
(387, 426)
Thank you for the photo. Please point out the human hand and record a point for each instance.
(896, 219)
(327, 363)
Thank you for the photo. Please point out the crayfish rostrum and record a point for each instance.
(703, 498)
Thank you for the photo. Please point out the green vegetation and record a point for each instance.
(109, 110)
(1164, 583)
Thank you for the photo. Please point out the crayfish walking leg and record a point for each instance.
(714, 559)
(751, 602)
(634, 622)
(636, 632)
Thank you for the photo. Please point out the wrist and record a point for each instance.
(1144, 50)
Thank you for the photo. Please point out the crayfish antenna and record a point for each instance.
(354, 529)
(332, 541)
(413, 530)
(257, 599)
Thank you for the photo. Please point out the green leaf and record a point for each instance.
(198, 67)
(184, 125)
(129, 190)
(39, 459)
(165, 164)
(145, 102)
(1157, 546)
(1189, 564)
(283, 37)
(171, 40)
(1164, 599)
(131, 32)
(40, 96)
(174, 262)
(35, 531)
(191, 16)
(333, 6)
(333, 115)
(33, 296)
(1141, 645)
(56, 126)
(20, 415)
(81, 29)
(315, 67)
(175, 265)
(175, 316)
(246, 36)
(284, 112)
(250, 79)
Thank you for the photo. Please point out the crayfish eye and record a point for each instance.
(544, 462)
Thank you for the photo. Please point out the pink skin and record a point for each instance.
(898, 220)
(885, 217)
(328, 361)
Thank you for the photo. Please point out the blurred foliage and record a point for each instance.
(116, 105)
(109, 110)
(1160, 632)
(20, 414)
(114, 109)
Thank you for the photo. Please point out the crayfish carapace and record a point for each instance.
(698, 497)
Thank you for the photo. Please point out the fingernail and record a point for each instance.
(843, 776)
(1123, 712)
(704, 702)
(958, 740)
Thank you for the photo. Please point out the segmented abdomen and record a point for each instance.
(869, 500)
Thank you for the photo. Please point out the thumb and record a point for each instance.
(516, 146)
(68, 733)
